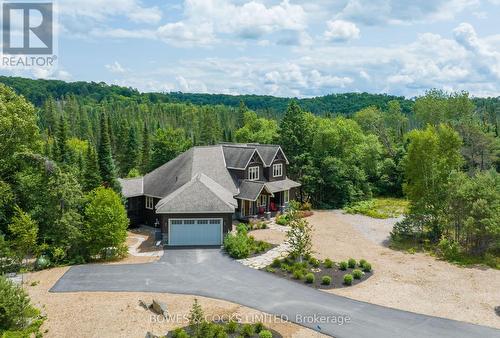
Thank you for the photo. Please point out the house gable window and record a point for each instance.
(253, 173)
(149, 202)
(277, 169)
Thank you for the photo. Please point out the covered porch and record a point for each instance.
(264, 199)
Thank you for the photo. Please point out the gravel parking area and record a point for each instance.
(375, 230)
(413, 282)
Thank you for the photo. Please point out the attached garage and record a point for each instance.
(196, 232)
(199, 213)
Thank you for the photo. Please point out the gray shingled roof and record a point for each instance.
(131, 187)
(267, 152)
(237, 157)
(201, 194)
(250, 190)
(285, 184)
(172, 175)
(206, 169)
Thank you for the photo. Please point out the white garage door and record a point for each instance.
(190, 231)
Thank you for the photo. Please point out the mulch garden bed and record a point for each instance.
(285, 270)
(238, 333)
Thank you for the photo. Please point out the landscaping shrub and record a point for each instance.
(282, 219)
(269, 269)
(285, 267)
(314, 262)
(351, 263)
(297, 274)
(242, 228)
(306, 206)
(357, 274)
(179, 333)
(258, 327)
(362, 262)
(299, 265)
(326, 280)
(276, 263)
(347, 279)
(328, 263)
(237, 246)
(231, 326)
(367, 267)
(247, 330)
(343, 265)
(265, 334)
(219, 332)
(310, 278)
(304, 213)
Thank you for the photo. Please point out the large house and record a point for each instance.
(195, 197)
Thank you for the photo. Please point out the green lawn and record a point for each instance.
(379, 207)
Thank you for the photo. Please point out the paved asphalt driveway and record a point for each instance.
(208, 272)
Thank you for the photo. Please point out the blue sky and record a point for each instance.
(283, 48)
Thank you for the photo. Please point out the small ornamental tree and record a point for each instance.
(18, 318)
(196, 317)
(106, 222)
(24, 232)
(299, 237)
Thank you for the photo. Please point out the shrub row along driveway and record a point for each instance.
(209, 273)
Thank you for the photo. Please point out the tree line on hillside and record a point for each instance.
(338, 159)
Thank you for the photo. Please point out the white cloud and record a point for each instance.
(101, 10)
(377, 12)
(203, 22)
(340, 30)
(115, 68)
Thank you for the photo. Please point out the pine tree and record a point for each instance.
(131, 153)
(240, 118)
(61, 148)
(91, 178)
(295, 137)
(145, 150)
(106, 164)
(48, 119)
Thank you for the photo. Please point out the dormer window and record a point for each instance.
(253, 173)
(277, 169)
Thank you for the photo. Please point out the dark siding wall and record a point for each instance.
(240, 174)
(226, 218)
(135, 210)
(150, 215)
(270, 171)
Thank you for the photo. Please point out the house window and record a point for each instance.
(149, 202)
(286, 196)
(253, 173)
(262, 200)
(277, 169)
